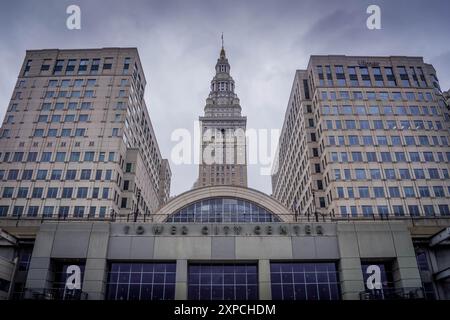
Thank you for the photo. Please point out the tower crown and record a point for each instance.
(222, 85)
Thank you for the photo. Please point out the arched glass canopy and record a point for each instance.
(223, 209)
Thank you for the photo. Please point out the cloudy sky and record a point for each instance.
(266, 41)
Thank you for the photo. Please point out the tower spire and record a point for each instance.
(222, 51)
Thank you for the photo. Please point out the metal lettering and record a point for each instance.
(308, 229)
(158, 229)
(319, 230)
(283, 230)
(140, 230)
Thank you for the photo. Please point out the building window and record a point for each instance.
(141, 281)
(17, 211)
(111, 156)
(27, 174)
(444, 210)
(95, 65)
(78, 211)
(398, 210)
(63, 212)
(413, 210)
(105, 193)
(82, 192)
(37, 192)
(22, 192)
(67, 193)
(33, 211)
(107, 64)
(4, 211)
(41, 175)
(48, 211)
(123, 203)
(56, 174)
(85, 174)
(223, 210)
(52, 192)
(304, 281)
(223, 282)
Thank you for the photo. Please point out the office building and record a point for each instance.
(369, 131)
(366, 138)
(77, 140)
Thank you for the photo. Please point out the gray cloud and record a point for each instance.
(266, 42)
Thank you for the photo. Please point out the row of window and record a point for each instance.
(372, 76)
(351, 124)
(52, 211)
(79, 132)
(389, 174)
(65, 83)
(69, 94)
(46, 106)
(74, 156)
(223, 210)
(389, 157)
(66, 132)
(80, 68)
(72, 94)
(230, 281)
(53, 193)
(372, 95)
(55, 175)
(52, 132)
(397, 210)
(348, 109)
(382, 140)
(226, 281)
(365, 192)
(56, 118)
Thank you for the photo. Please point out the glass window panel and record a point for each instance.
(141, 281)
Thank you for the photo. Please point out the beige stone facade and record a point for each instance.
(365, 137)
(77, 140)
